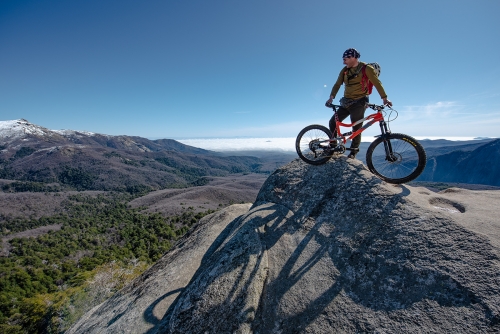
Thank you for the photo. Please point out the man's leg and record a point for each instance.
(342, 113)
(357, 112)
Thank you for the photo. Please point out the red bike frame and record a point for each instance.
(373, 118)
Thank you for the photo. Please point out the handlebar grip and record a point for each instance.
(374, 106)
(329, 105)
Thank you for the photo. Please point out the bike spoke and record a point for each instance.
(312, 144)
(405, 163)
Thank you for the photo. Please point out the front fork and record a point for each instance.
(389, 154)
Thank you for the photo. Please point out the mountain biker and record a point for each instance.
(355, 94)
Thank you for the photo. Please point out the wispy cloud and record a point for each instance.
(437, 109)
(439, 119)
(485, 95)
(286, 144)
(445, 120)
(487, 119)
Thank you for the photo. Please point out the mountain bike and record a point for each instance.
(394, 157)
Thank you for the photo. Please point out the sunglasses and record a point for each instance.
(347, 57)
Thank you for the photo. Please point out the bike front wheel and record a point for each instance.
(313, 144)
(396, 158)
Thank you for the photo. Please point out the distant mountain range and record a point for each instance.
(476, 163)
(39, 159)
(18, 133)
(472, 161)
(34, 158)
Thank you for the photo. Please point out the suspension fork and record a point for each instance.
(389, 154)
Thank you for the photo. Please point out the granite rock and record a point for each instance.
(324, 249)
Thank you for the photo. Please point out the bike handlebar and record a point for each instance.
(331, 105)
(369, 105)
(375, 107)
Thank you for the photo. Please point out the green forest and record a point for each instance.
(47, 282)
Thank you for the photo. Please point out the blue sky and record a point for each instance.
(231, 68)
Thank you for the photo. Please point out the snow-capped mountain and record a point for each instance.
(21, 129)
(90, 161)
(19, 133)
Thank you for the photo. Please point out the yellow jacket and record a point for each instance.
(353, 87)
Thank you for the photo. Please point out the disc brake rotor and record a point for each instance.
(395, 158)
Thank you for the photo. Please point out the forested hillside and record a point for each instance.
(100, 243)
(39, 159)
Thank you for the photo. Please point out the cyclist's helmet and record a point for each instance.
(351, 52)
(376, 67)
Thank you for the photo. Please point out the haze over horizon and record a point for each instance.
(285, 144)
(12, 128)
(260, 69)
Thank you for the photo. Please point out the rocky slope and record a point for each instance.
(139, 307)
(324, 249)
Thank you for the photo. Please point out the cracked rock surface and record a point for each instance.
(324, 249)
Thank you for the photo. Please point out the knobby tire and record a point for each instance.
(406, 164)
(312, 144)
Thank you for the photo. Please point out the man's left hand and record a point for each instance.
(387, 102)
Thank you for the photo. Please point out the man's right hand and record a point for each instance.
(330, 100)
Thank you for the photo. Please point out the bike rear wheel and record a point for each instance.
(405, 163)
(313, 144)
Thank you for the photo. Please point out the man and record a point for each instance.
(355, 94)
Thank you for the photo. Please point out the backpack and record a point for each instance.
(365, 82)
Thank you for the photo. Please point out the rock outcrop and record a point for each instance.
(141, 305)
(324, 249)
